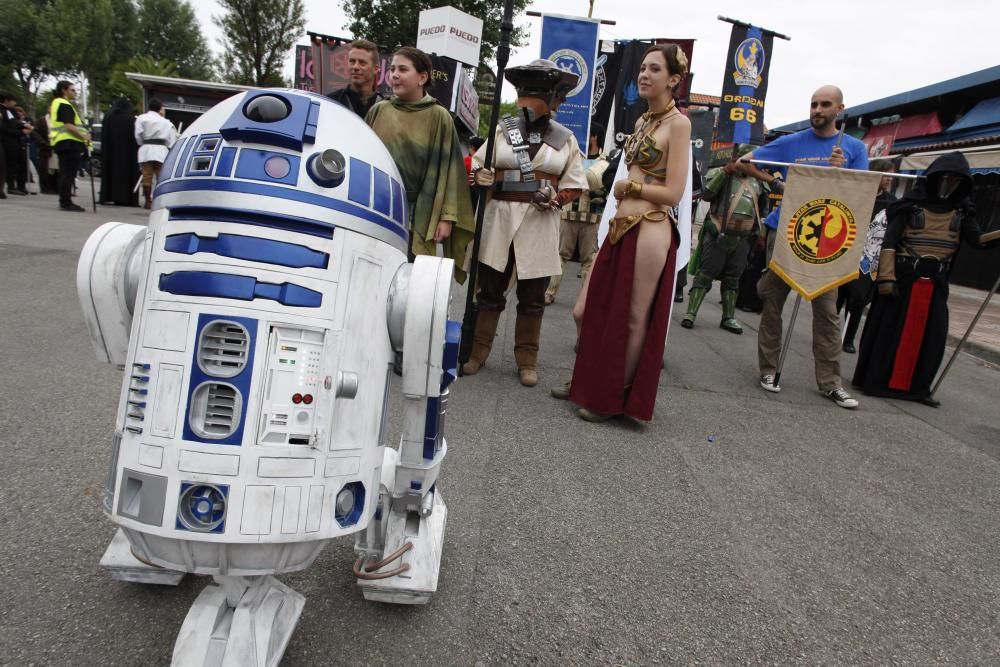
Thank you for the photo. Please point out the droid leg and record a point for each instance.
(400, 551)
(242, 622)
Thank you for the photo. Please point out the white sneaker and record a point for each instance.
(841, 398)
(767, 384)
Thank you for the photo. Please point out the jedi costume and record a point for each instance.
(537, 169)
(424, 144)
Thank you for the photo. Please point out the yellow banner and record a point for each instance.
(823, 225)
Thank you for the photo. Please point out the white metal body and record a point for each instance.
(258, 319)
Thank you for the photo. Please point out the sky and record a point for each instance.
(870, 49)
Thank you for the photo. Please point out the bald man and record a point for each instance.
(814, 146)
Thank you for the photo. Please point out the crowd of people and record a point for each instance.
(544, 199)
(47, 155)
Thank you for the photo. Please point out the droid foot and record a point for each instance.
(119, 561)
(417, 567)
(243, 622)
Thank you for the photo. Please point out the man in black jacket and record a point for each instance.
(12, 133)
(361, 93)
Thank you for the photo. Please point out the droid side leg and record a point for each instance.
(240, 622)
(400, 551)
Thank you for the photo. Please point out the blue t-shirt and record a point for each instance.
(806, 147)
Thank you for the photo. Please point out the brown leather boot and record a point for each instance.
(527, 331)
(482, 341)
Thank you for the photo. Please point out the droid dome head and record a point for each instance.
(286, 158)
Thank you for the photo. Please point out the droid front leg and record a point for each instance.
(400, 552)
(240, 622)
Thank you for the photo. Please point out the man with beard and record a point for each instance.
(819, 145)
(360, 94)
(907, 328)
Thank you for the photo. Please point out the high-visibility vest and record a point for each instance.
(57, 130)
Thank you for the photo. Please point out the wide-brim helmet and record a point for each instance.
(541, 78)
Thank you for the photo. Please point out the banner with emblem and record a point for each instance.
(744, 87)
(823, 214)
(571, 43)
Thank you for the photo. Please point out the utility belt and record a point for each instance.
(154, 142)
(925, 266)
(511, 181)
(739, 224)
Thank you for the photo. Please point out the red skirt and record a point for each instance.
(599, 374)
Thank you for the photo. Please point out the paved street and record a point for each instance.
(739, 526)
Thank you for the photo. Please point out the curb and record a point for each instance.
(983, 352)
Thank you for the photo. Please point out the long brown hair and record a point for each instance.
(677, 62)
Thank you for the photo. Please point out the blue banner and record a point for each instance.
(571, 43)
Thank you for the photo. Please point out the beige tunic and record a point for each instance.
(534, 233)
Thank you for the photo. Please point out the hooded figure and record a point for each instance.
(119, 164)
(537, 169)
(907, 327)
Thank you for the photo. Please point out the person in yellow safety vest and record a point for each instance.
(69, 141)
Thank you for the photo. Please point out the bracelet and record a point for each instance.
(634, 189)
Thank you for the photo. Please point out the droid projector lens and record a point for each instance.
(267, 109)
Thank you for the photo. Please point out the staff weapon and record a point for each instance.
(93, 196)
(471, 311)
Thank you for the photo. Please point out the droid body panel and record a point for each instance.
(264, 308)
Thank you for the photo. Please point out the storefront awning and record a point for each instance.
(880, 139)
(980, 161)
(985, 113)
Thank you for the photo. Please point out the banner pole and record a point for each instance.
(958, 348)
(471, 312)
(809, 166)
(788, 339)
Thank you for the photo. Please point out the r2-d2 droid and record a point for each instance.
(259, 319)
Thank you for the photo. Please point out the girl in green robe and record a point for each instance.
(421, 137)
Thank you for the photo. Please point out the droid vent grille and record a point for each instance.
(222, 350)
(216, 410)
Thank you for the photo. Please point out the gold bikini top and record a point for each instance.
(641, 149)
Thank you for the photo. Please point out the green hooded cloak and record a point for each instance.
(422, 140)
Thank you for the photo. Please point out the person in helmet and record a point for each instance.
(723, 245)
(537, 169)
(907, 327)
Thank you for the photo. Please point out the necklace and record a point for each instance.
(651, 121)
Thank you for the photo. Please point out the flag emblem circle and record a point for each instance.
(821, 231)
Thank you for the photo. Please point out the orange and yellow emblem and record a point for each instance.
(821, 230)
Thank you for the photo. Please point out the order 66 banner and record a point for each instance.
(741, 114)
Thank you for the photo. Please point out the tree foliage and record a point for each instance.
(393, 23)
(121, 86)
(258, 36)
(168, 30)
(24, 46)
(81, 35)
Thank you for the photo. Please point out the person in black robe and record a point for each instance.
(119, 155)
(904, 337)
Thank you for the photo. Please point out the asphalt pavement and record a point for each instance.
(738, 527)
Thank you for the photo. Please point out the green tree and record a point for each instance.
(168, 30)
(24, 46)
(121, 86)
(393, 23)
(81, 35)
(484, 115)
(258, 37)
